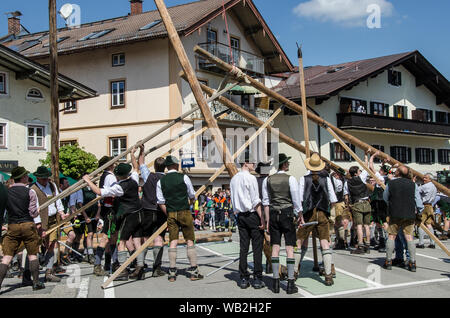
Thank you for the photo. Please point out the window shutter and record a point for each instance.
(418, 160)
(433, 156)
(431, 116)
(390, 77)
(409, 159)
(386, 110)
(382, 148)
(393, 154)
(399, 78)
(353, 148)
(372, 108)
(332, 151)
(440, 156)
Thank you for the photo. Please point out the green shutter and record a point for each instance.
(332, 151)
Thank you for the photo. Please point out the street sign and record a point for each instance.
(8, 166)
(187, 163)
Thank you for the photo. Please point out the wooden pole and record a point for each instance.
(54, 97)
(293, 106)
(195, 86)
(422, 226)
(303, 94)
(197, 193)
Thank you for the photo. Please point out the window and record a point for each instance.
(402, 154)
(400, 112)
(34, 93)
(117, 145)
(3, 84)
(349, 105)
(380, 148)
(36, 137)
(2, 135)
(95, 35)
(118, 59)
(118, 94)
(444, 156)
(150, 25)
(379, 109)
(58, 41)
(423, 115)
(441, 117)
(70, 107)
(211, 36)
(245, 101)
(425, 156)
(395, 78)
(236, 47)
(68, 143)
(338, 153)
(203, 147)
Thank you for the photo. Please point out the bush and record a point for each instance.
(74, 162)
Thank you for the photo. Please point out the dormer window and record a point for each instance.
(395, 78)
(95, 35)
(35, 94)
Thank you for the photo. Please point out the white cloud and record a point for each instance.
(344, 12)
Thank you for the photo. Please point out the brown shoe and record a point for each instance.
(443, 237)
(49, 277)
(329, 280)
(138, 274)
(98, 270)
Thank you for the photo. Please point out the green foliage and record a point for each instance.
(74, 162)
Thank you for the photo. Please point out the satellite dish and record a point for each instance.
(66, 11)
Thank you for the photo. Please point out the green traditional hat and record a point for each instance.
(385, 169)
(42, 172)
(282, 158)
(122, 169)
(171, 160)
(104, 160)
(18, 172)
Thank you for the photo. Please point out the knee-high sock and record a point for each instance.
(412, 251)
(115, 256)
(290, 262)
(341, 233)
(372, 232)
(3, 271)
(276, 267)
(157, 256)
(421, 236)
(49, 260)
(327, 260)
(140, 259)
(122, 257)
(192, 255)
(34, 269)
(390, 246)
(99, 255)
(173, 257)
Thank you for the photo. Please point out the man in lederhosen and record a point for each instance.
(282, 208)
(127, 208)
(317, 195)
(109, 237)
(22, 206)
(263, 171)
(152, 216)
(49, 217)
(342, 214)
(174, 192)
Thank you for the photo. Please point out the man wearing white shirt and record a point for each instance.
(247, 204)
(317, 195)
(342, 213)
(126, 192)
(175, 192)
(282, 208)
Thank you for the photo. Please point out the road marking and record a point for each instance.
(424, 282)
(84, 288)
(368, 281)
(109, 291)
(214, 252)
(431, 257)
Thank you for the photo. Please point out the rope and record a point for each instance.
(241, 76)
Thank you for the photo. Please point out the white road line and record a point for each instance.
(424, 282)
(84, 288)
(431, 257)
(368, 281)
(109, 291)
(214, 252)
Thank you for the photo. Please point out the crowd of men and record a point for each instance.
(135, 203)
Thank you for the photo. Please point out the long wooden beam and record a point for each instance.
(303, 93)
(293, 106)
(195, 86)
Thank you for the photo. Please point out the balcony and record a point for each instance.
(217, 107)
(390, 124)
(244, 60)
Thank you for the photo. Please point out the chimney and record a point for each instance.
(13, 25)
(136, 7)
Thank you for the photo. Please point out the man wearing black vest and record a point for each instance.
(358, 200)
(282, 208)
(317, 195)
(263, 171)
(22, 206)
(175, 193)
(109, 237)
(152, 216)
(403, 198)
(127, 211)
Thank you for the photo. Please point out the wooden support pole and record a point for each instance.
(195, 86)
(293, 106)
(54, 96)
(303, 94)
(197, 193)
(422, 226)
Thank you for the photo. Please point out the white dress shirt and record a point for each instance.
(339, 184)
(54, 208)
(293, 186)
(331, 194)
(187, 182)
(75, 198)
(244, 192)
(115, 190)
(428, 192)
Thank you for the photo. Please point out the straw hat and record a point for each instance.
(315, 163)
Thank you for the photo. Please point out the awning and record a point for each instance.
(71, 181)
(244, 89)
(5, 176)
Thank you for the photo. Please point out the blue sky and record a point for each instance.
(329, 34)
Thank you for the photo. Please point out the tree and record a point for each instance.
(74, 162)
